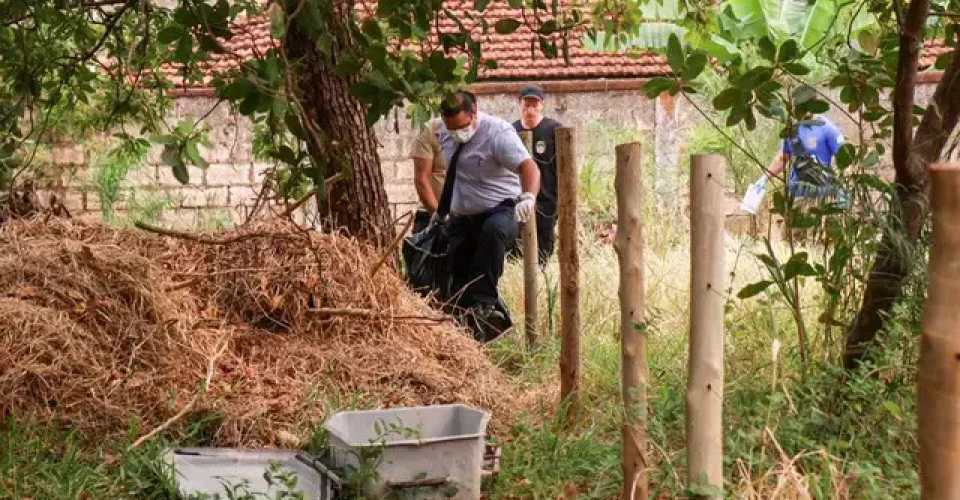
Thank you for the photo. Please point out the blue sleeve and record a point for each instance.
(785, 148)
(834, 139)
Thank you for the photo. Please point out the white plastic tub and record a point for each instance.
(427, 453)
(212, 471)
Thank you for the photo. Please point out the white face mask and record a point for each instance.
(463, 135)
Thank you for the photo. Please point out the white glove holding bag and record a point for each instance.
(525, 207)
(754, 195)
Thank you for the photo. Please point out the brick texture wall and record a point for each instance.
(228, 189)
(230, 185)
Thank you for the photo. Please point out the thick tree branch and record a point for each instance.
(911, 40)
(909, 212)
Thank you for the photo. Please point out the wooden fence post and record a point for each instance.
(568, 176)
(629, 246)
(530, 264)
(939, 372)
(705, 383)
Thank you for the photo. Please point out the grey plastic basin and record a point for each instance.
(211, 471)
(429, 452)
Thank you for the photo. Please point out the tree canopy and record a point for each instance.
(335, 67)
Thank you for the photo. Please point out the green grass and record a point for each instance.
(42, 461)
(813, 428)
(848, 435)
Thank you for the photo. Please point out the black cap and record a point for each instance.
(533, 91)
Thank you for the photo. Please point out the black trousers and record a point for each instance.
(478, 246)
(546, 237)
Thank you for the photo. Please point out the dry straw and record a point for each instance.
(101, 327)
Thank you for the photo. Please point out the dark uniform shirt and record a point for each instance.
(545, 154)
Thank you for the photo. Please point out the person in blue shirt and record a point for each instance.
(817, 138)
(809, 154)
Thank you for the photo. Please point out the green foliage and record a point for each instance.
(742, 148)
(103, 65)
(182, 145)
(849, 431)
(542, 460)
(595, 193)
(282, 481)
(777, 65)
(214, 220)
(112, 169)
(146, 207)
(41, 460)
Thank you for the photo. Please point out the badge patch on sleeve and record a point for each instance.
(540, 147)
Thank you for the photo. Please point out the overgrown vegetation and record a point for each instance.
(797, 423)
(821, 430)
(42, 460)
(814, 429)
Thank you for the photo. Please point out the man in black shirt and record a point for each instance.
(545, 154)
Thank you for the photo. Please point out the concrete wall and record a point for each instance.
(227, 190)
(229, 187)
(603, 119)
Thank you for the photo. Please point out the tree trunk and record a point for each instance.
(705, 361)
(911, 159)
(357, 203)
(939, 371)
(531, 257)
(633, 340)
(568, 173)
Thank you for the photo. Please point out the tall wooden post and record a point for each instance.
(530, 261)
(629, 246)
(568, 176)
(705, 383)
(939, 373)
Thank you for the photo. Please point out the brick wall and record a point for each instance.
(604, 119)
(228, 189)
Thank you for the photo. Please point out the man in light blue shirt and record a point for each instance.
(490, 187)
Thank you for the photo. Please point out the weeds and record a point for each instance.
(43, 461)
(111, 170)
(544, 460)
(790, 432)
(142, 206)
(830, 435)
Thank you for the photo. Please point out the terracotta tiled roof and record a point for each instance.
(518, 62)
(251, 38)
(932, 49)
(512, 51)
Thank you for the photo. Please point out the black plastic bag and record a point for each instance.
(425, 255)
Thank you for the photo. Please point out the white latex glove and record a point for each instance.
(754, 195)
(525, 206)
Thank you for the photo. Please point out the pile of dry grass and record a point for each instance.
(101, 327)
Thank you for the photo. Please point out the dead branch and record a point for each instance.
(189, 406)
(372, 314)
(299, 203)
(185, 235)
(393, 245)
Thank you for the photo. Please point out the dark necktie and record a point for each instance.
(446, 197)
